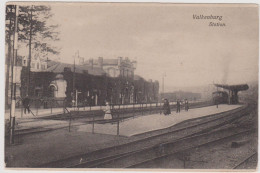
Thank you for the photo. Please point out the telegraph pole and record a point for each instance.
(13, 91)
(30, 53)
(163, 84)
(74, 76)
(73, 83)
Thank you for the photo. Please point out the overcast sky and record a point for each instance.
(165, 39)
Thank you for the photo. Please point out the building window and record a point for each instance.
(38, 66)
(43, 67)
(33, 65)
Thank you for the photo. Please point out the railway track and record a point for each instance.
(186, 131)
(172, 148)
(243, 162)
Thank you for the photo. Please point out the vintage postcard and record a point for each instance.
(131, 86)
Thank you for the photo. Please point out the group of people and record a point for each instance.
(167, 108)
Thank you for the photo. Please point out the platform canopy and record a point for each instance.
(240, 87)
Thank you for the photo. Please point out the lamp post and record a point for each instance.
(74, 78)
(30, 51)
(13, 91)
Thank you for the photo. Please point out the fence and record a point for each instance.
(42, 106)
(123, 112)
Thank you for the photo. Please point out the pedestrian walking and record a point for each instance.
(178, 106)
(26, 104)
(108, 115)
(166, 107)
(186, 103)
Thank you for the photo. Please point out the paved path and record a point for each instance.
(35, 149)
(156, 121)
(54, 111)
(19, 114)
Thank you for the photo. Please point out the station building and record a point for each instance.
(92, 83)
(114, 67)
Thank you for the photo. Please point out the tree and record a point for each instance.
(34, 31)
(9, 28)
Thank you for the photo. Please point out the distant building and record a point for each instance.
(173, 96)
(37, 64)
(115, 67)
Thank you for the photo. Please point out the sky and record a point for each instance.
(164, 39)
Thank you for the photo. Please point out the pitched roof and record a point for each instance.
(59, 68)
(137, 77)
(105, 62)
(110, 62)
(51, 63)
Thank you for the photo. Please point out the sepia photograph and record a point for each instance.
(131, 86)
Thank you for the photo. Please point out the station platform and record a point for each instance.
(40, 148)
(153, 122)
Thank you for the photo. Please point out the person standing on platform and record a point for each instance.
(186, 105)
(166, 107)
(178, 106)
(26, 104)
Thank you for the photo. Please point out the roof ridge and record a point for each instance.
(53, 67)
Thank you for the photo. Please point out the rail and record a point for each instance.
(154, 159)
(193, 128)
(245, 160)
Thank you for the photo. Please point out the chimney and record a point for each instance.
(119, 61)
